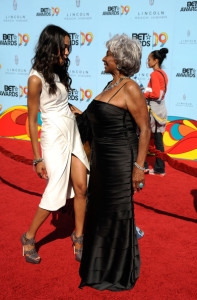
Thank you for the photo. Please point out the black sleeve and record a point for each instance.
(84, 127)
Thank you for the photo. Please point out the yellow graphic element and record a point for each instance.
(168, 141)
(21, 137)
(191, 155)
(188, 123)
(12, 109)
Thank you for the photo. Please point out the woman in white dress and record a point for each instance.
(63, 162)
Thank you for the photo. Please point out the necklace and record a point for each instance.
(110, 85)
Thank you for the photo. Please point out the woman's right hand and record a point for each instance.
(74, 109)
(137, 178)
(41, 170)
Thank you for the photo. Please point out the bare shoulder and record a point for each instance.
(131, 87)
(35, 81)
(34, 86)
(134, 97)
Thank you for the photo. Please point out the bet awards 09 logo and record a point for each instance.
(158, 39)
(81, 39)
(48, 12)
(82, 95)
(187, 72)
(191, 6)
(144, 38)
(85, 95)
(14, 91)
(23, 91)
(116, 10)
(125, 10)
(10, 91)
(86, 38)
(10, 39)
(162, 38)
(23, 39)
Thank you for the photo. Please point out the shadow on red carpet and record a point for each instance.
(165, 210)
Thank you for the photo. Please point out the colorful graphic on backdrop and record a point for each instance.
(180, 138)
(14, 123)
(156, 23)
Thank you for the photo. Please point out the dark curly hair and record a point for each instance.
(160, 54)
(48, 50)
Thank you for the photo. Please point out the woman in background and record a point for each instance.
(63, 161)
(155, 94)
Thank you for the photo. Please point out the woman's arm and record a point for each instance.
(74, 109)
(154, 83)
(33, 101)
(136, 104)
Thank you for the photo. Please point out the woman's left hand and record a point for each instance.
(138, 177)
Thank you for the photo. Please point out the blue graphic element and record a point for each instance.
(39, 119)
(175, 132)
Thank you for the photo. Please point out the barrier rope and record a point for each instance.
(174, 163)
(15, 157)
(180, 166)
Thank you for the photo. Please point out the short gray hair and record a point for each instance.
(127, 52)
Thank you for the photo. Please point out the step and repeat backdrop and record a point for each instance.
(156, 23)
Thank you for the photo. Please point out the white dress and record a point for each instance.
(59, 139)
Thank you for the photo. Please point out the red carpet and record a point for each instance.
(165, 210)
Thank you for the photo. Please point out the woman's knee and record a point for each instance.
(80, 189)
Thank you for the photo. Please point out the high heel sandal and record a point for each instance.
(31, 256)
(79, 240)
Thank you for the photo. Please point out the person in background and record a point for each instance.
(155, 96)
(63, 161)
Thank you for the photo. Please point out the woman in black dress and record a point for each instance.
(111, 258)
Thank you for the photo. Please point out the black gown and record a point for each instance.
(111, 259)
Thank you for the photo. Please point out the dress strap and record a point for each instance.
(117, 92)
(164, 80)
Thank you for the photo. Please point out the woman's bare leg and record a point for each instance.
(40, 216)
(79, 180)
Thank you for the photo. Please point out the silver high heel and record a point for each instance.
(31, 256)
(79, 240)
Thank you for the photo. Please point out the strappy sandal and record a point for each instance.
(79, 240)
(31, 256)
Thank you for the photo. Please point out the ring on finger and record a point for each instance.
(141, 185)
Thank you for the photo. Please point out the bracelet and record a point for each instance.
(142, 169)
(36, 161)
